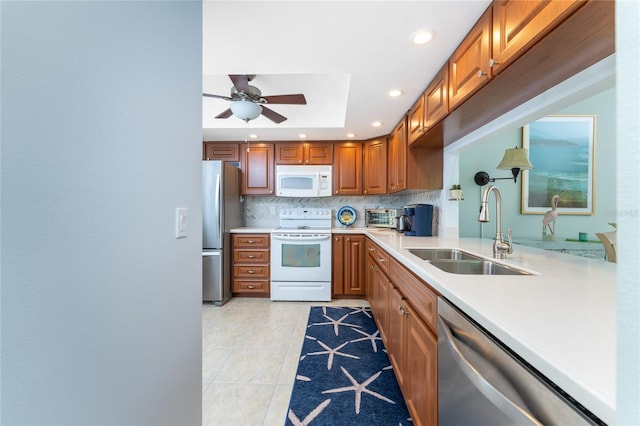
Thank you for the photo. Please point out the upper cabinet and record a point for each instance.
(415, 120)
(220, 151)
(304, 153)
(397, 157)
(374, 158)
(347, 168)
(518, 24)
(436, 98)
(469, 68)
(257, 167)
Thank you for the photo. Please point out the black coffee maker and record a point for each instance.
(420, 218)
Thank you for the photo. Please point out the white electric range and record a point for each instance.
(301, 255)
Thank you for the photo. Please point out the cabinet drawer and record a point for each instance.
(251, 271)
(251, 256)
(257, 241)
(380, 256)
(251, 286)
(423, 299)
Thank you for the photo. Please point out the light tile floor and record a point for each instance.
(250, 350)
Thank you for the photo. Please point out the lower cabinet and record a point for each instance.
(348, 267)
(250, 265)
(404, 309)
(421, 384)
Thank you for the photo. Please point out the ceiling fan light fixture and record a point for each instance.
(246, 110)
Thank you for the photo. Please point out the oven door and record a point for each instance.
(300, 256)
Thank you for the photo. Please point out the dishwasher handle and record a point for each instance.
(519, 414)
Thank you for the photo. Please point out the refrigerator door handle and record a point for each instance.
(216, 208)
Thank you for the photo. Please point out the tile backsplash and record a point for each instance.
(264, 210)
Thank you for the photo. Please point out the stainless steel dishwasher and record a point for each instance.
(481, 382)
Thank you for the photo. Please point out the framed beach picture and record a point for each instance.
(562, 151)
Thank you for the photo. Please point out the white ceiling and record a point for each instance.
(344, 56)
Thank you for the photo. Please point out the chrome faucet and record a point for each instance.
(500, 247)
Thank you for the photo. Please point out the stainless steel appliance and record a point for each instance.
(481, 382)
(301, 255)
(381, 218)
(221, 211)
(304, 181)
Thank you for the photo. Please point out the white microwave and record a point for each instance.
(303, 181)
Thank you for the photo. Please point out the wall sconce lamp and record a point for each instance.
(515, 159)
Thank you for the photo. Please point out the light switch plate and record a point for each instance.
(181, 223)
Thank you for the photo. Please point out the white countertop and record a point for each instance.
(562, 320)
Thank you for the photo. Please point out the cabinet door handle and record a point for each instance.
(250, 286)
(251, 256)
(493, 62)
(251, 242)
(251, 271)
(381, 259)
(371, 248)
(481, 74)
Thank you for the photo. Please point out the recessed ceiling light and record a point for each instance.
(394, 93)
(422, 37)
(376, 124)
(253, 136)
(302, 136)
(351, 135)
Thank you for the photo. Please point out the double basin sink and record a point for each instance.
(457, 261)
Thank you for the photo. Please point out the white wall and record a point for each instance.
(487, 155)
(101, 141)
(628, 212)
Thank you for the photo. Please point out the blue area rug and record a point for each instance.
(344, 375)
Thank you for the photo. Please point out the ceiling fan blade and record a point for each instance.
(240, 82)
(225, 114)
(208, 95)
(297, 99)
(272, 115)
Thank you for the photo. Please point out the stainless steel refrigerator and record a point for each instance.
(222, 210)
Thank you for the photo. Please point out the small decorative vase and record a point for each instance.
(455, 194)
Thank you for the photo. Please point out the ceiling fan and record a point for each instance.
(247, 102)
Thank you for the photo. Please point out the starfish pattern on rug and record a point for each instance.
(310, 417)
(336, 323)
(362, 309)
(359, 388)
(337, 358)
(371, 337)
(332, 353)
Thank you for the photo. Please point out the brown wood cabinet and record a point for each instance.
(436, 98)
(405, 310)
(377, 284)
(397, 333)
(374, 164)
(421, 384)
(415, 120)
(304, 153)
(347, 168)
(397, 156)
(257, 167)
(250, 265)
(517, 25)
(220, 151)
(348, 265)
(469, 68)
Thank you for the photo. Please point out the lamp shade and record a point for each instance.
(515, 158)
(245, 110)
